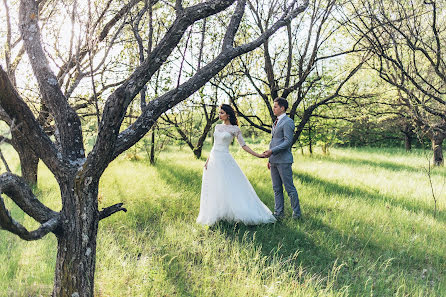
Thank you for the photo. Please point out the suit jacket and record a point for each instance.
(282, 141)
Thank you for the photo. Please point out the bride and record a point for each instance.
(226, 193)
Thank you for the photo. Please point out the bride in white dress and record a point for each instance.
(226, 193)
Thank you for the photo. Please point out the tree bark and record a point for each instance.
(28, 163)
(437, 143)
(28, 160)
(310, 139)
(76, 226)
(76, 246)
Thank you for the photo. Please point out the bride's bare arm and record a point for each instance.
(206, 165)
(249, 150)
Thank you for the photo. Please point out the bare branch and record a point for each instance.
(118, 102)
(108, 211)
(82, 52)
(4, 162)
(67, 121)
(11, 225)
(18, 190)
(29, 128)
(203, 35)
(234, 24)
(154, 108)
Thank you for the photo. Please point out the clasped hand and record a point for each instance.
(266, 154)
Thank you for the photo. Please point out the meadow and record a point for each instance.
(368, 229)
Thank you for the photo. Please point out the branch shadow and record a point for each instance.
(283, 239)
(319, 260)
(148, 215)
(391, 166)
(329, 188)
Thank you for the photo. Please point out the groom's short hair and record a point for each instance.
(282, 102)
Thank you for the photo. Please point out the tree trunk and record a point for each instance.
(197, 152)
(310, 140)
(76, 250)
(407, 141)
(28, 160)
(325, 149)
(152, 148)
(408, 136)
(438, 151)
(28, 163)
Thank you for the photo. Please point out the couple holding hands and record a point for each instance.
(226, 193)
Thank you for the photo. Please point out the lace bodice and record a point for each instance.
(223, 136)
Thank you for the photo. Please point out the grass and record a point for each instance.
(369, 229)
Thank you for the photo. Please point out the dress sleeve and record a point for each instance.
(239, 136)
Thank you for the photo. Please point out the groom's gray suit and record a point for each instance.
(281, 161)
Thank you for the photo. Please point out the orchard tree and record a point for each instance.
(76, 224)
(408, 42)
(298, 65)
(73, 61)
(193, 122)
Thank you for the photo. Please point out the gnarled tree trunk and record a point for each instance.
(76, 250)
(76, 225)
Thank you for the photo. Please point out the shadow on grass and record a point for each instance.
(147, 216)
(392, 166)
(150, 214)
(284, 239)
(176, 275)
(269, 236)
(329, 188)
(353, 253)
(180, 176)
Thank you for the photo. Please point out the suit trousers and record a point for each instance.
(282, 175)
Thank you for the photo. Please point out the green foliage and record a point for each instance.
(368, 230)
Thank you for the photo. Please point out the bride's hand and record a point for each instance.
(206, 164)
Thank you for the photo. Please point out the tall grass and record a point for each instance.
(369, 229)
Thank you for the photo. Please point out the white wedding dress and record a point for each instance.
(226, 193)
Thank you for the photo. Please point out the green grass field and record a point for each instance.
(369, 229)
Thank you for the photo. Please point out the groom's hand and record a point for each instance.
(269, 166)
(267, 153)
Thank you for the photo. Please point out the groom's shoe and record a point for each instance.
(297, 216)
(279, 216)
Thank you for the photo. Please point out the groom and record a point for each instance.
(281, 159)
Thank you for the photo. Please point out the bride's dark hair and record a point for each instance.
(231, 114)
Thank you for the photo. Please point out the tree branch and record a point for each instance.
(108, 211)
(156, 107)
(67, 121)
(19, 192)
(234, 24)
(117, 103)
(9, 224)
(31, 132)
(102, 35)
